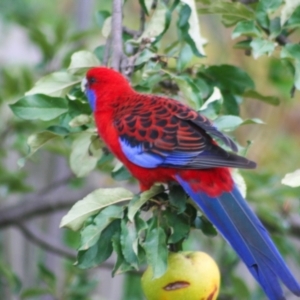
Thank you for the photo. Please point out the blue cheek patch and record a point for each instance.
(91, 98)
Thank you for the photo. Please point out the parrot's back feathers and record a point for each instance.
(165, 133)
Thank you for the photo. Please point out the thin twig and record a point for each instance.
(51, 245)
(107, 52)
(117, 44)
(142, 21)
(22, 211)
(43, 241)
(56, 184)
(131, 32)
(130, 61)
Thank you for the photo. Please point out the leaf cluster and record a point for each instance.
(163, 59)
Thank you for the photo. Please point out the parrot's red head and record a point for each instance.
(101, 82)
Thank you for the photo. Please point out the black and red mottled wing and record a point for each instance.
(161, 132)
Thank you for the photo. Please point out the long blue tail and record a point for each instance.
(238, 224)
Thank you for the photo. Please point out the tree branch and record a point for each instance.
(51, 245)
(131, 32)
(137, 33)
(117, 44)
(22, 211)
(128, 69)
(45, 242)
(56, 184)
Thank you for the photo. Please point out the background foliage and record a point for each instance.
(241, 69)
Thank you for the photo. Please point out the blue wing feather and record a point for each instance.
(152, 157)
(238, 224)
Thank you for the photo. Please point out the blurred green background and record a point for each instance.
(39, 37)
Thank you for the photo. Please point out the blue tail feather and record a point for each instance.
(238, 224)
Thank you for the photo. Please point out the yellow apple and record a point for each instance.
(189, 276)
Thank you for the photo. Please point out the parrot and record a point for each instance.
(159, 139)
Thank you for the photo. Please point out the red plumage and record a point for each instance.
(161, 140)
(166, 124)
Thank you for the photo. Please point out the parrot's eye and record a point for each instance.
(92, 80)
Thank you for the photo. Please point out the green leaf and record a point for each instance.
(121, 264)
(261, 47)
(231, 13)
(38, 140)
(106, 28)
(292, 179)
(247, 28)
(139, 200)
(99, 52)
(91, 204)
(245, 44)
(275, 28)
(231, 104)
(77, 107)
(156, 251)
(294, 20)
(129, 242)
(212, 106)
(188, 12)
(156, 25)
(189, 90)
(10, 278)
(82, 161)
(91, 233)
(240, 287)
(206, 227)
(40, 107)
(168, 19)
(132, 287)
(264, 8)
(230, 123)
(288, 9)
(177, 197)
(34, 292)
(184, 58)
(267, 99)
(47, 276)
(83, 60)
(146, 5)
(141, 225)
(56, 84)
(145, 56)
(120, 173)
(269, 6)
(101, 16)
(178, 225)
(297, 75)
(59, 130)
(230, 78)
(80, 120)
(100, 251)
(291, 51)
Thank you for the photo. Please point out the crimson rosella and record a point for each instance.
(159, 139)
